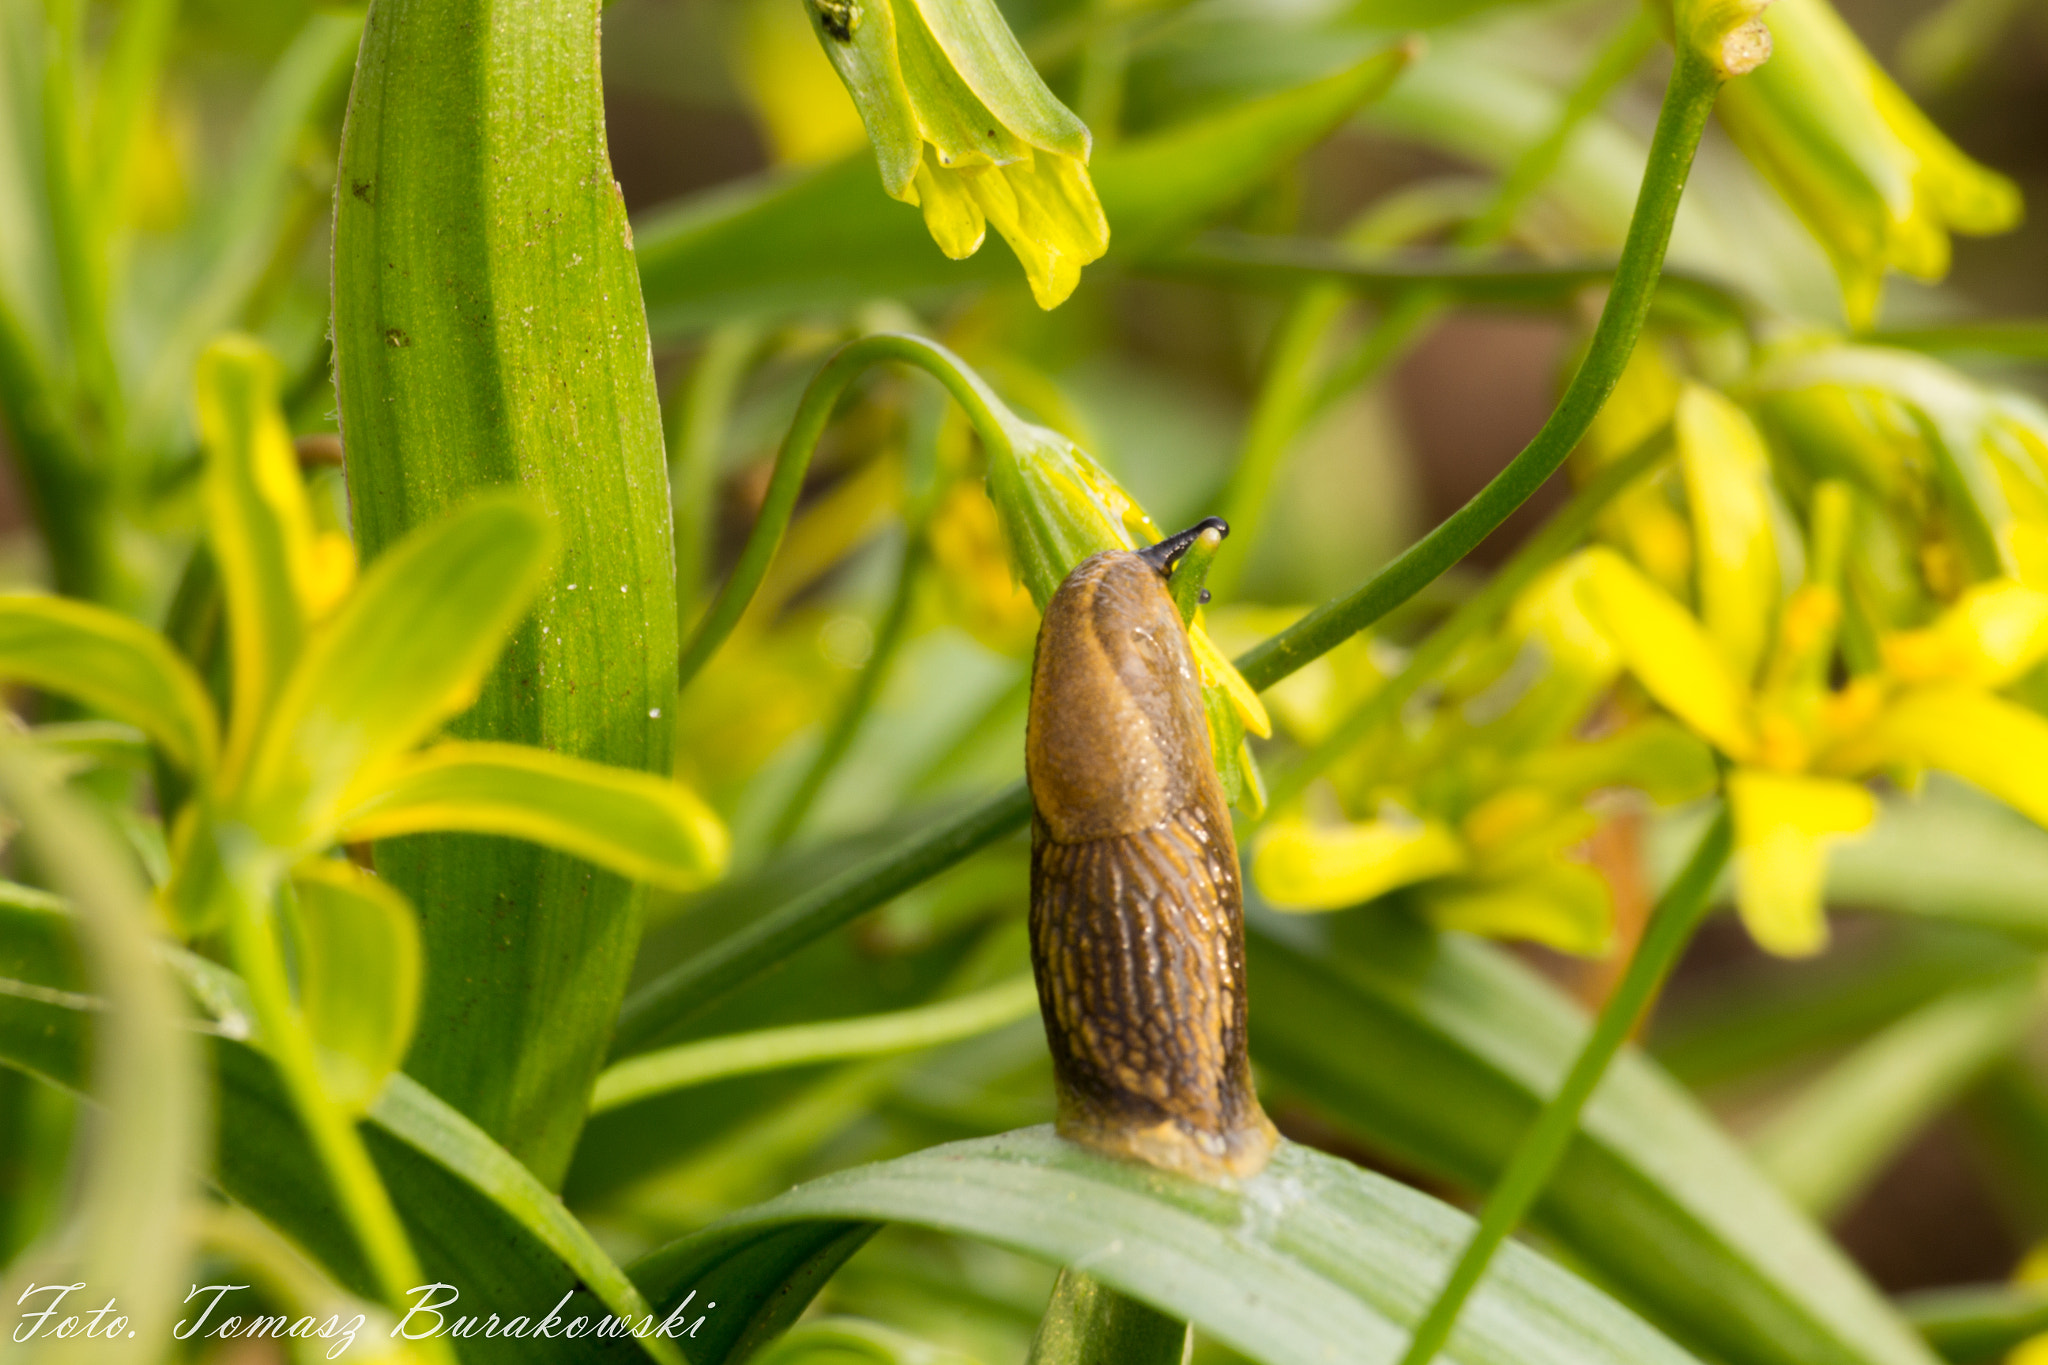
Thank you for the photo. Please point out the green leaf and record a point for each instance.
(113, 665)
(359, 976)
(478, 1219)
(1311, 1261)
(407, 651)
(825, 240)
(1088, 1323)
(648, 828)
(489, 331)
(1438, 1050)
(1846, 1126)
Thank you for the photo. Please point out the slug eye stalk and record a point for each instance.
(1137, 923)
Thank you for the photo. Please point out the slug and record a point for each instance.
(1137, 912)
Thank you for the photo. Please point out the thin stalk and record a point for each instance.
(777, 1049)
(1558, 536)
(674, 996)
(1688, 101)
(68, 496)
(259, 957)
(860, 698)
(1677, 914)
(699, 413)
(688, 988)
(794, 460)
(77, 237)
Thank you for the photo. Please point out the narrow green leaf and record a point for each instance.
(479, 1219)
(488, 331)
(1311, 1261)
(359, 976)
(114, 665)
(649, 828)
(1844, 1127)
(1438, 1050)
(1978, 1324)
(1088, 1323)
(826, 240)
(407, 651)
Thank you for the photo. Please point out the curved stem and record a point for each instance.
(794, 460)
(1687, 102)
(860, 698)
(252, 932)
(1671, 926)
(776, 1049)
(698, 414)
(679, 993)
(1474, 614)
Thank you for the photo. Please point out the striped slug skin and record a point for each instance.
(1137, 917)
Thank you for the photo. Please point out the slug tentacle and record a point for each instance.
(1137, 930)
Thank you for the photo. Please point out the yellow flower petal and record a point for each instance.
(1993, 633)
(1046, 209)
(1560, 904)
(1299, 866)
(1218, 671)
(1727, 484)
(1783, 826)
(1992, 743)
(951, 214)
(1668, 652)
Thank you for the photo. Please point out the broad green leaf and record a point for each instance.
(275, 572)
(477, 1218)
(359, 976)
(825, 240)
(1088, 1323)
(1669, 653)
(1845, 1127)
(489, 332)
(1783, 826)
(407, 651)
(1311, 1261)
(113, 665)
(1438, 1050)
(649, 828)
(1727, 483)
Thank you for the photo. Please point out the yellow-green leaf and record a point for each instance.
(1301, 866)
(1783, 825)
(113, 665)
(359, 976)
(1669, 653)
(1727, 484)
(406, 652)
(276, 573)
(1993, 633)
(642, 826)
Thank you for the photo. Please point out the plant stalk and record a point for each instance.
(1671, 926)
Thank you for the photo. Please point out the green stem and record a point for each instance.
(1562, 532)
(68, 496)
(1670, 928)
(77, 236)
(259, 957)
(860, 698)
(677, 994)
(794, 460)
(1687, 102)
(776, 1049)
(1088, 1323)
(698, 417)
(684, 990)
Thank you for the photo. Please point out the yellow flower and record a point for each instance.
(1872, 178)
(963, 127)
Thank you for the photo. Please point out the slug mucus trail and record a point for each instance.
(1137, 913)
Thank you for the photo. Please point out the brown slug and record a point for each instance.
(1137, 913)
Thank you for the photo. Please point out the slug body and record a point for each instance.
(1137, 916)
